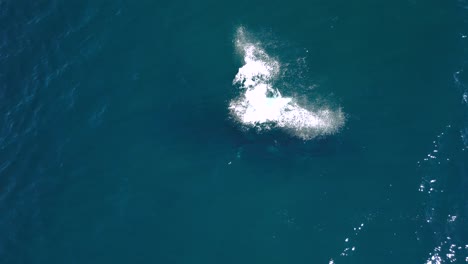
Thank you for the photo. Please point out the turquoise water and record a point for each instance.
(118, 145)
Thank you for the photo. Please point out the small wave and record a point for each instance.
(261, 105)
(444, 197)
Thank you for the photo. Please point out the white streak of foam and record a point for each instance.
(262, 106)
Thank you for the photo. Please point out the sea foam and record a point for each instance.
(260, 105)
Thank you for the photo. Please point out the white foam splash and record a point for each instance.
(262, 106)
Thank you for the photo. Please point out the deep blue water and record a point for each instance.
(117, 145)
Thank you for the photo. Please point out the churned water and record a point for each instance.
(234, 132)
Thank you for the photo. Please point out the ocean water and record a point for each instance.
(234, 132)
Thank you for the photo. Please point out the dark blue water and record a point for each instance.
(117, 144)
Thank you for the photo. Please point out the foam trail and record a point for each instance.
(262, 106)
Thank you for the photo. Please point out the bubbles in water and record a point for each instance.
(261, 105)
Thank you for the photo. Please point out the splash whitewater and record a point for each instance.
(260, 105)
